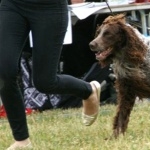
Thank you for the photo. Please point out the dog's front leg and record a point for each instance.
(124, 108)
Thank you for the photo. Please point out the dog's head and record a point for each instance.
(109, 36)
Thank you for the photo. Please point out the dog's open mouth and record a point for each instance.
(103, 54)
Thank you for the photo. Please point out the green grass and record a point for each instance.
(63, 130)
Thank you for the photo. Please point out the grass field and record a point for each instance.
(63, 130)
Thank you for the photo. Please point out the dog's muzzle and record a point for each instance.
(93, 45)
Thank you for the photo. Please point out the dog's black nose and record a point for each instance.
(93, 45)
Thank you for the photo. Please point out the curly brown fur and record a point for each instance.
(121, 44)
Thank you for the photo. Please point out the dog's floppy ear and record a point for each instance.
(135, 47)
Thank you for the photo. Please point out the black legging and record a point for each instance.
(47, 19)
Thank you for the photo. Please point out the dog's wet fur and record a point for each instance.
(124, 45)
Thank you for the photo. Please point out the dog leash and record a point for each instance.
(109, 7)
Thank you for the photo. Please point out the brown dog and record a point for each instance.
(130, 53)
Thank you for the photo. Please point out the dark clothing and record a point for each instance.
(47, 19)
(108, 94)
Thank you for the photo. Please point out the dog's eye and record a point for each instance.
(107, 34)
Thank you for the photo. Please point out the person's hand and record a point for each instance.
(77, 1)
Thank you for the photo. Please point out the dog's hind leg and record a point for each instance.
(125, 105)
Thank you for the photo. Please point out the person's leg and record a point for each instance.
(48, 34)
(47, 48)
(13, 32)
